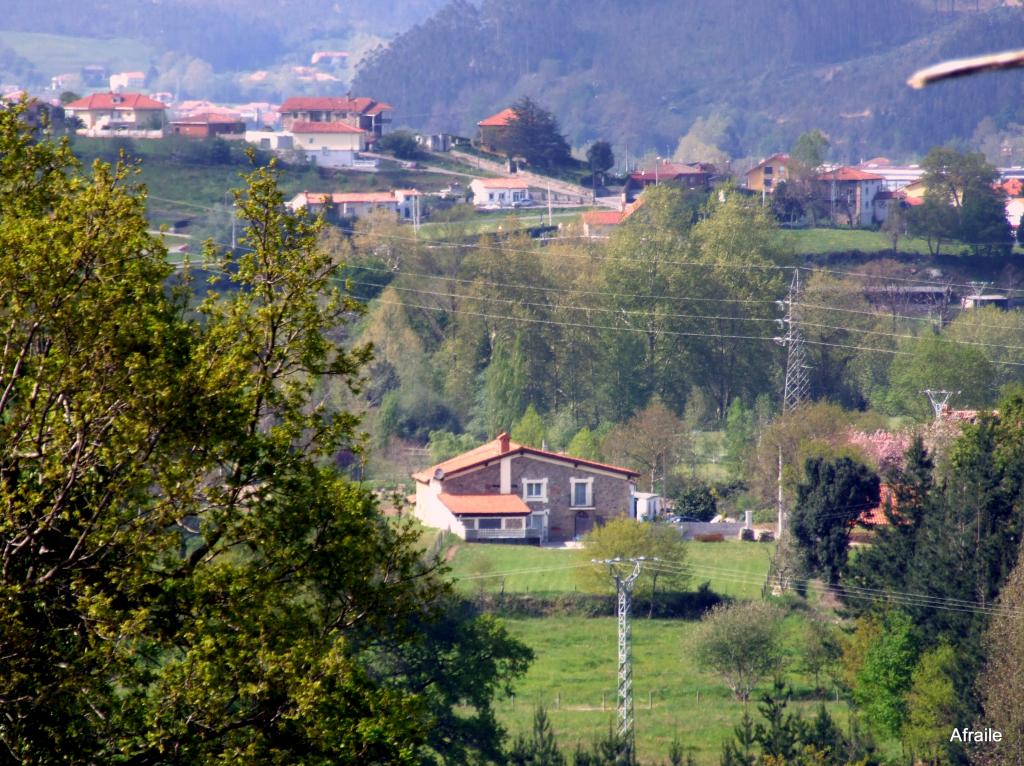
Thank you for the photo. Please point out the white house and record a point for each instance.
(646, 505)
(402, 202)
(122, 81)
(493, 193)
(330, 144)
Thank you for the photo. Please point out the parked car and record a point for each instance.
(411, 165)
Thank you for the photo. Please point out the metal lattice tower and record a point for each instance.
(938, 398)
(624, 590)
(798, 381)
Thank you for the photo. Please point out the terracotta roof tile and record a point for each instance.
(499, 120)
(493, 450)
(115, 101)
(485, 505)
(602, 217)
(503, 183)
(300, 126)
(846, 173)
(362, 104)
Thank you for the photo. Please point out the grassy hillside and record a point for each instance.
(574, 671)
(734, 569)
(56, 54)
(576, 665)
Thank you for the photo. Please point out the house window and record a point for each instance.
(489, 523)
(582, 493)
(535, 521)
(513, 523)
(469, 523)
(535, 490)
(767, 170)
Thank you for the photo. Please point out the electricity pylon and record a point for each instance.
(798, 382)
(624, 591)
(938, 398)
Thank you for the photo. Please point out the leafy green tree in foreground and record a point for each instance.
(182, 580)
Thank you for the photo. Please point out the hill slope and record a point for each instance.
(642, 73)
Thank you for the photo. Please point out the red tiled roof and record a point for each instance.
(603, 217)
(876, 516)
(340, 198)
(1012, 186)
(499, 120)
(484, 505)
(484, 452)
(362, 104)
(668, 171)
(846, 173)
(300, 126)
(493, 450)
(115, 101)
(207, 118)
(780, 157)
(502, 183)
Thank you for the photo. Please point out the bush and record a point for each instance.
(402, 144)
(694, 498)
(691, 605)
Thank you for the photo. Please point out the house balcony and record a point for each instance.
(479, 535)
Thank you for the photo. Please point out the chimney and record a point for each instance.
(503, 442)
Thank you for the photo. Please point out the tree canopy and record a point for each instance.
(184, 576)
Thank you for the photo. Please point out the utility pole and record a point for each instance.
(624, 591)
(234, 221)
(938, 399)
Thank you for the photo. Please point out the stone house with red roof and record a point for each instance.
(507, 492)
(492, 130)
(850, 194)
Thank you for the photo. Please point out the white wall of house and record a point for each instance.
(335, 142)
(484, 196)
(433, 513)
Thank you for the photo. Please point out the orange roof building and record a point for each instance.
(492, 130)
(363, 113)
(116, 110)
(504, 491)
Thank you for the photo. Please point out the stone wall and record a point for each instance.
(611, 494)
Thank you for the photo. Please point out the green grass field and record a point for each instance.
(57, 54)
(575, 668)
(733, 568)
(815, 241)
(574, 671)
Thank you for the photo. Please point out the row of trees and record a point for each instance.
(937, 595)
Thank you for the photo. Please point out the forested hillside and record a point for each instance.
(229, 34)
(641, 74)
